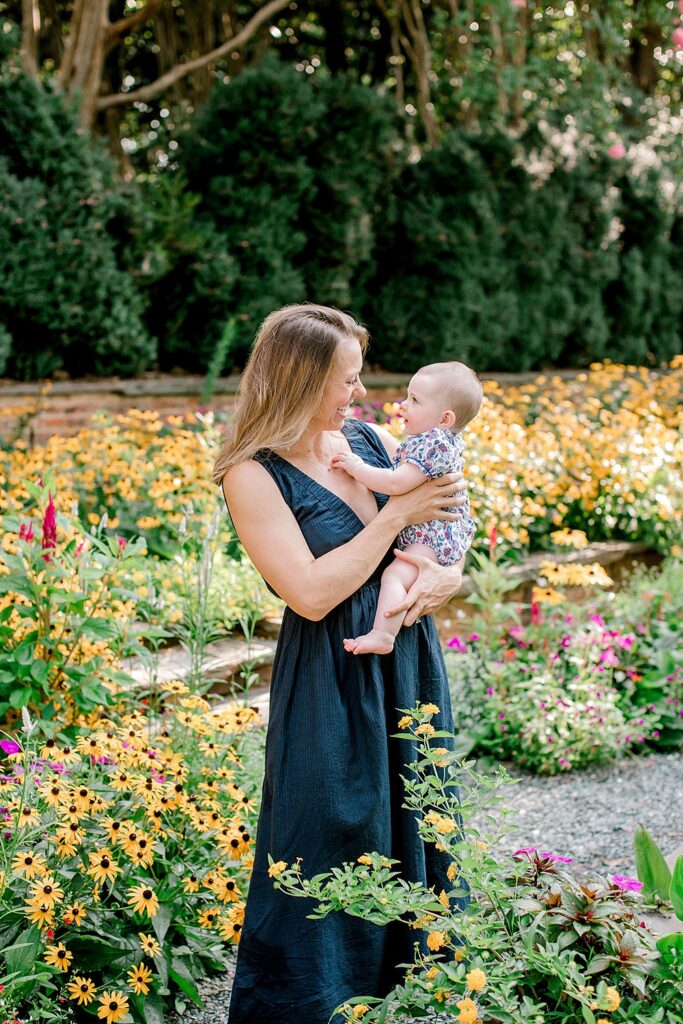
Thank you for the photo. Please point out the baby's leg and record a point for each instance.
(397, 579)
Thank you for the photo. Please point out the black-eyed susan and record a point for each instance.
(209, 918)
(227, 890)
(81, 990)
(64, 755)
(54, 795)
(58, 956)
(28, 816)
(75, 913)
(28, 864)
(40, 914)
(149, 945)
(65, 848)
(190, 883)
(45, 891)
(176, 687)
(114, 828)
(113, 1006)
(72, 831)
(103, 868)
(82, 798)
(139, 978)
(143, 900)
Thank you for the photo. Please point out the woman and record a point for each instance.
(332, 788)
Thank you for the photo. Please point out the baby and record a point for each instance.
(442, 399)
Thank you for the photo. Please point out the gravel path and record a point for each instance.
(589, 815)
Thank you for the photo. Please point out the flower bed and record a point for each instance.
(576, 684)
(124, 858)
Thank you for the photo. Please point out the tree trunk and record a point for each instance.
(30, 31)
(80, 74)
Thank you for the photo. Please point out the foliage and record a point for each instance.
(125, 856)
(69, 299)
(288, 174)
(577, 684)
(534, 942)
(657, 880)
(65, 618)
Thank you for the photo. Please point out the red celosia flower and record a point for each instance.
(49, 527)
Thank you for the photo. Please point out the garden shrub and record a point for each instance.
(68, 298)
(535, 942)
(287, 174)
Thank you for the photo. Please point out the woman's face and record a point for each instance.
(342, 388)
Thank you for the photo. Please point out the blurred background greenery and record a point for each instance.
(495, 181)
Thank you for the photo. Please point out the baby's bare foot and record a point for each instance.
(374, 642)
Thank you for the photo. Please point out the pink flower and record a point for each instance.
(626, 641)
(493, 537)
(609, 658)
(49, 528)
(597, 619)
(518, 5)
(121, 541)
(26, 532)
(677, 38)
(456, 644)
(617, 151)
(626, 883)
(516, 632)
(535, 613)
(9, 746)
(680, 6)
(473, 637)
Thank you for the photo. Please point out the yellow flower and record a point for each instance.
(209, 918)
(58, 956)
(441, 995)
(365, 859)
(452, 871)
(404, 722)
(149, 945)
(468, 1011)
(476, 980)
(429, 709)
(75, 913)
(546, 595)
(102, 867)
(81, 989)
(143, 899)
(113, 1006)
(45, 892)
(432, 973)
(613, 1000)
(41, 914)
(190, 884)
(445, 825)
(443, 899)
(28, 864)
(360, 1010)
(139, 978)
(435, 940)
(425, 729)
(276, 868)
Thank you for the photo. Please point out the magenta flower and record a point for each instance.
(49, 528)
(525, 851)
(121, 541)
(626, 641)
(456, 644)
(516, 632)
(609, 658)
(626, 883)
(677, 38)
(617, 151)
(473, 637)
(26, 531)
(597, 619)
(9, 746)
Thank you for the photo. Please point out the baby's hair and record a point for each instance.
(460, 388)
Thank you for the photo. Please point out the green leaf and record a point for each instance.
(676, 888)
(20, 956)
(184, 980)
(652, 869)
(101, 629)
(161, 921)
(671, 944)
(588, 1014)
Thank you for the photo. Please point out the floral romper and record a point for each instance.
(436, 452)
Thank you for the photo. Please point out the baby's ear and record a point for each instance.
(447, 420)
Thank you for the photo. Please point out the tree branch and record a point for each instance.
(148, 92)
(124, 26)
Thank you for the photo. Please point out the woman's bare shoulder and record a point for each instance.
(387, 439)
(248, 478)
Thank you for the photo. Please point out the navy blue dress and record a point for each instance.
(332, 788)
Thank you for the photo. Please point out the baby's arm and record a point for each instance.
(386, 481)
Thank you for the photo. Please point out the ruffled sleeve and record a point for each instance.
(435, 452)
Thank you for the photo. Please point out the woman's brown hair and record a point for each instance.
(284, 380)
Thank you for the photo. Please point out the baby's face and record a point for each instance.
(423, 409)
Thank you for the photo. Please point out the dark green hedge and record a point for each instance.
(288, 189)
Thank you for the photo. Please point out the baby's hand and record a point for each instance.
(347, 461)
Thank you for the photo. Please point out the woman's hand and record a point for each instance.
(431, 500)
(434, 585)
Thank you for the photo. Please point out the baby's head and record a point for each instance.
(446, 395)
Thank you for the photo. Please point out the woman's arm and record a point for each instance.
(385, 481)
(312, 587)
